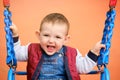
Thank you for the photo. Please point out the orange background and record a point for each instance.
(86, 17)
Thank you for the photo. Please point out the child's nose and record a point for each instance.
(51, 40)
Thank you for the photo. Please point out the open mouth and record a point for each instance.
(50, 48)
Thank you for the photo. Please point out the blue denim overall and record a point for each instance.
(53, 67)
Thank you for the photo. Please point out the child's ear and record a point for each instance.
(37, 34)
(67, 38)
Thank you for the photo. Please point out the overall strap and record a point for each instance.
(38, 68)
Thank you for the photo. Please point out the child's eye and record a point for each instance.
(46, 35)
(58, 37)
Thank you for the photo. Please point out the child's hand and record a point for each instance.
(14, 30)
(97, 47)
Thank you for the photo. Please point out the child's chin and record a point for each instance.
(50, 53)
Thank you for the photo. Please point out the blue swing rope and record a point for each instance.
(103, 59)
(107, 36)
(10, 60)
(104, 54)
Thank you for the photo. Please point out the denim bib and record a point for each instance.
(53, 67)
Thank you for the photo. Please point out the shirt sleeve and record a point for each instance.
(85, 64)
(21, 52)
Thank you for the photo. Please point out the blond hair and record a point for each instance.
(55, 18)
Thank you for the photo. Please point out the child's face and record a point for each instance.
(53, 37)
